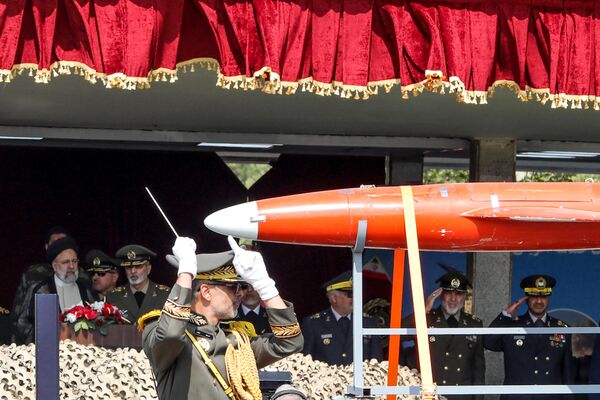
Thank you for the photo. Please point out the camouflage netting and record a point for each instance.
(89, 372)
(323, 381)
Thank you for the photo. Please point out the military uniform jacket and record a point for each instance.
(533, 359)
(325, 340)
(455, 360)
(179, 369)
(123, 298)
(260, 321)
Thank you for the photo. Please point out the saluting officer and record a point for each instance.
(455, 360)
(191, 355)
(141, 295)
(533, 359)
(328, 334)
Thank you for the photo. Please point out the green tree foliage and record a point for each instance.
(461, 175)
(445, 175)
(536, 176)
(248, 173)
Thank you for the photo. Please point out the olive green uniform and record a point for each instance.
(123, 298)
(180, 370)
(455, 359)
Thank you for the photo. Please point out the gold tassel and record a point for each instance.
(192, 68)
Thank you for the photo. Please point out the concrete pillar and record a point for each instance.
(492, 160)
(404, 170)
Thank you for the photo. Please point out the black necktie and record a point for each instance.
(539, 323)
(344, 323)
(139, 298)
(452, 322)
(251, 314)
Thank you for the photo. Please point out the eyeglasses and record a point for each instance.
(74, 261)
(236, 287)
(101, 274)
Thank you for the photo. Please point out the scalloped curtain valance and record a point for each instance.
(542, 49)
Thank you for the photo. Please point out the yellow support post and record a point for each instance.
(428, 387)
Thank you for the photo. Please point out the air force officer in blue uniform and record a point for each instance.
(543, 359)
(328, 334)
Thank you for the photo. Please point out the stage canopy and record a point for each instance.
(545, 50)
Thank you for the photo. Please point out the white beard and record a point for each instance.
(137, 279)
(451, 311)
(68, 278)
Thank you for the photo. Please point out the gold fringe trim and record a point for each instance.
(241, 368)
(269, 81)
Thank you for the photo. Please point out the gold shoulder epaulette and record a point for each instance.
(561, 323)
(4, 311)
(118, 289)
(474, 317)
(163, 287)
(239, 326)
(147, 318)
(315, 315)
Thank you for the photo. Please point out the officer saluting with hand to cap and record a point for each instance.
(455, 360)
(192, 356)
(533, 359)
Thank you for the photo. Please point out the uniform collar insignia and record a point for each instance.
(197, 319)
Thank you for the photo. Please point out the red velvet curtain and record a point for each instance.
(543, 49)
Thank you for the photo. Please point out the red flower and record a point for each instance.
(109, 314)
(78, 311)
(108, 310)
(90, 314)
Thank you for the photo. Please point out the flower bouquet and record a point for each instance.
(96, 316)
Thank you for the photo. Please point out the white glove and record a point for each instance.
(184, 251)
(251, 267)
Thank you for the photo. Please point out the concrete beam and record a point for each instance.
(492, 160)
